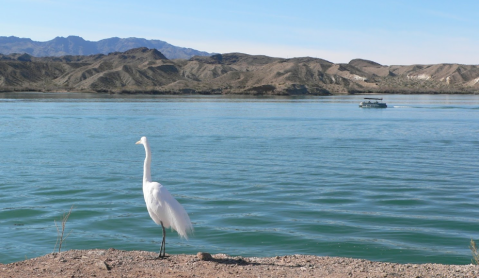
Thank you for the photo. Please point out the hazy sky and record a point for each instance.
(388, 32)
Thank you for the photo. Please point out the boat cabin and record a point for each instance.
(372, 104)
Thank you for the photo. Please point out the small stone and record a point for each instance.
(96, 252)
(203, 256)
(103, 265)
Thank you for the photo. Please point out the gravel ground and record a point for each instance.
(117, 263)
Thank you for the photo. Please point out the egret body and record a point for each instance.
(163, 208)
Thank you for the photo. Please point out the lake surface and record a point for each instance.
(258, 176)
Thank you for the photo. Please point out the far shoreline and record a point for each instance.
(161, 93)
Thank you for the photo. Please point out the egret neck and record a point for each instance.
(146, 171)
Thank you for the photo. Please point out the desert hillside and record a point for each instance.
(143, 70)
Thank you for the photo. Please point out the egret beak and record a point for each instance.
(139, 142)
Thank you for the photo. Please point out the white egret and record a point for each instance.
(163, 208)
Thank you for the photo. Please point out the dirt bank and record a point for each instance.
(117, 263)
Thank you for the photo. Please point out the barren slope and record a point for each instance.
(147, 70)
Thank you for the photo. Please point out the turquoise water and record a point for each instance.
(258, 176)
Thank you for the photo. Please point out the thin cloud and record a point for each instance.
(448, 16)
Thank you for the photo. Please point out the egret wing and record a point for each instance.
(162, 206)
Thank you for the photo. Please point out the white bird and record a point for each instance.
(163, 208)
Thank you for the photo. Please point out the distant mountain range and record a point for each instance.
(74, 45)
(144, 70)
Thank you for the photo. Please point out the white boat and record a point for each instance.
(372, 104)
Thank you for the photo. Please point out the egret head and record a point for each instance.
(142, 141)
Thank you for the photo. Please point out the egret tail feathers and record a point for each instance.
(179, 219)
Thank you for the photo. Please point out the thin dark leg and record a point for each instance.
(163, 247)
(164, 239)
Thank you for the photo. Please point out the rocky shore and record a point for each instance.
(117, 263)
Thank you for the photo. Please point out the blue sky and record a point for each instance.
(388, 32)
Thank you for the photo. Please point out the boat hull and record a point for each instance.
(367, 104)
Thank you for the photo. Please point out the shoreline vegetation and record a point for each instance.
(118, 263)
(148, 71)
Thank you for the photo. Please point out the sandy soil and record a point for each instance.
(116, 263)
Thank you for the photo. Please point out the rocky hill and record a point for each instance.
(144, 70)
(74, 45)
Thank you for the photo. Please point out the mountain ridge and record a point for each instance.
(145, 70)
(75, 45)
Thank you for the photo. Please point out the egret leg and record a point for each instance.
(163, 247)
